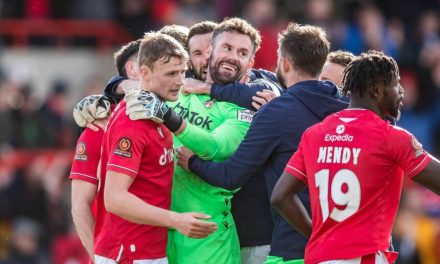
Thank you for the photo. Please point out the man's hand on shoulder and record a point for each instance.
(90, 109)
(145, 105)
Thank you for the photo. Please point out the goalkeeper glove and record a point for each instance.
(91, 108)
(145, 105)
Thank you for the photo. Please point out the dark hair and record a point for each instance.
(124, 54)
(305, 46)
(241, 26)
(367, 71)
(157, 46)
(341, 57)
(200, 28)
(178, 32)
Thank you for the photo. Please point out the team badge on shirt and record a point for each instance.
(81, 153)
(418, 148)
(124, 147)
(209, 104)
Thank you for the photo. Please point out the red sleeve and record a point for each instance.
(296, 165)
(87, 156)
(127, 143)
(408, 152)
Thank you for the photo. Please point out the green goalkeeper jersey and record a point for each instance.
(214, 131)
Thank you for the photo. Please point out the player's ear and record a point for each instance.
(130, 68)
(250, 64)
(374, 91)
(208, 51)
(286, 64)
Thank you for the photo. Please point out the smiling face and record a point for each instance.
(231, 56)
(198, 47)
(165, 79)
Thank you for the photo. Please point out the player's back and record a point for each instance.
(354, 173)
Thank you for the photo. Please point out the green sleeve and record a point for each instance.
(222, 142)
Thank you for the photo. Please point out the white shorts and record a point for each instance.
(254, 255)
(104, 260)
(378, 258)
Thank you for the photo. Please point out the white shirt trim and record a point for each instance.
(295, 169)
(416, 167)
(121, 167)
(85, 175)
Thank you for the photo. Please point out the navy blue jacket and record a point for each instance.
(250, 205)
(272, 139)
(241, 94)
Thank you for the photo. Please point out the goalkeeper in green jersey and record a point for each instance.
(213, 130)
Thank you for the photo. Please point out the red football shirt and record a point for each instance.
(353, 164)
(143, 150)
(87, 155)
(86, 160)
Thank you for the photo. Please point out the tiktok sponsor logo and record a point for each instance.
(339, 137)
(166, 157)
(193, 117)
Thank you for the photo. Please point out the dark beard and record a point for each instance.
(281, 79)
(393, 107)
(198, 74)
(219, 78)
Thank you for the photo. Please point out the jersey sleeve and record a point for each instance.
(127, 143)
(222, 142)
(241, 93)
(408, 152)
(87, 156)
(262, 139)
(296, 165)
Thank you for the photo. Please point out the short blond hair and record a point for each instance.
(341, 57)
(157, 46)
(178, 32)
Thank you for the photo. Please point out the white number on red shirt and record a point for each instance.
(350, 198)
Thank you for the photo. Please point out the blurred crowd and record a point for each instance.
(37, 136)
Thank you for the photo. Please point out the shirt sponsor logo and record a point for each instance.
(166, 157)
(333, 138)
(245, 115)
(124, 148)
(418, 147)
(81, 153)
(193, 117)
